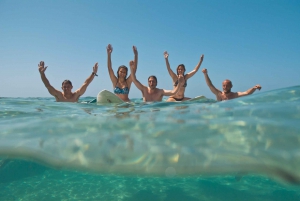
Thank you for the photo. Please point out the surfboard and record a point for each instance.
(197, 98)
(106, 96)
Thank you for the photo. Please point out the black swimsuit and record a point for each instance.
(178, 99)
(176, 83)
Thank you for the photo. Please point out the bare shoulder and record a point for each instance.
(162, 91)
(187, 76)
(59, 94)
(77, 94)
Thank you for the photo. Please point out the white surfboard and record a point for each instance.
(197, 98)
(194, 99)
(106, 96)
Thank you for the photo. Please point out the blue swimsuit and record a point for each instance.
(118, 90)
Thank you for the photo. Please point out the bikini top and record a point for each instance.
(118, 90)
(176, 83)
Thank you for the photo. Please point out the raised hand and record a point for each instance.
(42, 67)
(132, 67)
(166, 54)
(109, 49)
(201, 58)
(134, 49)
(204, 70)
(257, 87)
(180, 79)
(95, 68)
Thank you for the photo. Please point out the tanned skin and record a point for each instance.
(226, 94)
(120, 80)
(152, 93)
(180, 71)
(66, 95)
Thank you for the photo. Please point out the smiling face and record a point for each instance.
(226, 85)
(180, 69)
(122, 72)
(152, 82)
(67, 87)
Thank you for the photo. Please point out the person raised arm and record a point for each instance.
(83, 88)
(113, 78)
(176, 89)
(135, 52)
(249, 91)
(213, 89)
(190, 74)
(172, 74)
(51, 89)
(135, 81)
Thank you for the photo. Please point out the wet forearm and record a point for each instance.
(90, 78)
(198, 66)
(207, 80)
(251, 90)
(109, 61)
(45, 80)
(168, 64)
(176, 89)
(136, 60)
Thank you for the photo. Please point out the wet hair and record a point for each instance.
(123, 66)
(66, 81)
(153, 77)
(182, 65)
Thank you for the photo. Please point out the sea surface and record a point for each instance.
(242, 149)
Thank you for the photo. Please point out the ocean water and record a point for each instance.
(242, 149)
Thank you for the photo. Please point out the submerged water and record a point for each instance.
(242, 149)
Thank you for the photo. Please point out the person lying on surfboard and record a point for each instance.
(121, 83)
(67, 95)
(151, 93)
(179, 96)
(226, 94)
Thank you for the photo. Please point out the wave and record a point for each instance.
(254, 134)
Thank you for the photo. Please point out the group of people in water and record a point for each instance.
(122, 83)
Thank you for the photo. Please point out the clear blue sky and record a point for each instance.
(248, 41)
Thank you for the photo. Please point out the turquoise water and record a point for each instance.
(242, 149)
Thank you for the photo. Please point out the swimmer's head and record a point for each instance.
(180, 69)
(66, 86)
(122, 72)
(152, 81)
(66, 81)
(227, 85)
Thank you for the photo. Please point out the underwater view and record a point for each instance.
(242, 149)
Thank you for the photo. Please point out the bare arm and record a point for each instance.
(135, 62)
(113, 78)
(172, 74)
(135, 81)
(249, 91)
(213, 89)
(46, 82)
(176, 89)
(190, 74)
(83, 88)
